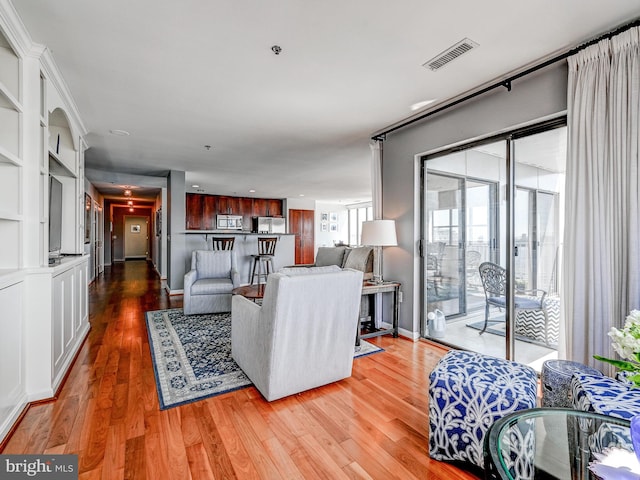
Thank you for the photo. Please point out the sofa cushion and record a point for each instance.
(330, 256)
(211, 286)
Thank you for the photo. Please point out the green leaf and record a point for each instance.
(621, 364)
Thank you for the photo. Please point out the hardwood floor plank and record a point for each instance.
(373, 425)
(135, 459)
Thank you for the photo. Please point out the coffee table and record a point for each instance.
(252, 292)
(553, 443)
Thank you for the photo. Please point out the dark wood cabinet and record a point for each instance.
(210, 210)
(194, 214)
(259, 207)
(202, 209)
(267, 207)
(274, 208)
(228, 205)
(246, 210)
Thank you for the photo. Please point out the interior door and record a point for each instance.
(301, 224)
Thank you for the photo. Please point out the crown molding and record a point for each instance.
(55, 77)
(13, 29)
(20, 40)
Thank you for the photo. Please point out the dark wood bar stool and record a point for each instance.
(263, 261)
(222, 243)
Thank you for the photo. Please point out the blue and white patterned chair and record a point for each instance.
(468, 392)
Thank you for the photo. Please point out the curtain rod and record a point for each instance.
(507, 82)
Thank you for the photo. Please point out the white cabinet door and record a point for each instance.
(63, 317)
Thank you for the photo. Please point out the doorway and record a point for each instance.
(136, 237)
(496, 201)
(301, 224)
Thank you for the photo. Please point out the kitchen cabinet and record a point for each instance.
(228, 205)
(194, 215)
(267, 207)
(202, 209)
(210, 210)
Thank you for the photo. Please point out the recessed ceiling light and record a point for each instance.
(121, 133)
(207, 147)
(252, 191)
(302, 195)
(424, 103)
(195, 186)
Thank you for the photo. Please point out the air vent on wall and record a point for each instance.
(451, 53)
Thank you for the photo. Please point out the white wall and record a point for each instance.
(327, 238)
(537, 96)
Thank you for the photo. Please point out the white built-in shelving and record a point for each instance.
(11, 162)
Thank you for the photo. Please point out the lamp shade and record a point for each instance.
(379, 233)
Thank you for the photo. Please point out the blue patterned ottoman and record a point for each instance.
(601, 394)
(468, 392)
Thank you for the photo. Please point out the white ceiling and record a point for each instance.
(179, 75)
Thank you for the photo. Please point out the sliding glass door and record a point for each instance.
(482, 203)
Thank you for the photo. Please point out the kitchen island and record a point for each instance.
(245, 245)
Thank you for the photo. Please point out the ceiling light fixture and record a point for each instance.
(195, 186)
(119, 133)
(301, 195)
(207, 147)
(276, 49)
(131, 209)
(130, 203)
(252, 191)
(127, 193)
(422, 104)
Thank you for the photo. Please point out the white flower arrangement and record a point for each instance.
(626, 343)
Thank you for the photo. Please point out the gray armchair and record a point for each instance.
(302, 336)
(208, 285)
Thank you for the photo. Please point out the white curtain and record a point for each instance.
(601, 267)
(376, 178)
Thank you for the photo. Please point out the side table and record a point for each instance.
(376, 289)
(556, 381)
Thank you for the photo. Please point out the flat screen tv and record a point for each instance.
(55, 216)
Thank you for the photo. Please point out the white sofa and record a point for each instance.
(304, 333)
(208, 285)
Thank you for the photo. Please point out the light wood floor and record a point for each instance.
(372, 425)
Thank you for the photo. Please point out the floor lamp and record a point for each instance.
(378, 234)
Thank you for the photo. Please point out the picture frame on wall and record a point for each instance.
(333, 217)
(135, 228)
(324, 227)
(158, 222)
(324, 217)
(333, 227)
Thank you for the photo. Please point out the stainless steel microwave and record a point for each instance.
(229, 222)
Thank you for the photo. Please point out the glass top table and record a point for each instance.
(559, 443)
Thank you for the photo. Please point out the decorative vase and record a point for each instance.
(635, 435)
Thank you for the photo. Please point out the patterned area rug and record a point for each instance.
(192, 356)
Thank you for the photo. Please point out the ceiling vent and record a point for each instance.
(450, 54)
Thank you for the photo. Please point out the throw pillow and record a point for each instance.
(330, 256)
(359, 258)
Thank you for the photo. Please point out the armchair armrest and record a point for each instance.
(235, 278)
(247, 334)
(533, 293)
(189, 279)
